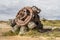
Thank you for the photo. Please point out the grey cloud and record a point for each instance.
(50, 8)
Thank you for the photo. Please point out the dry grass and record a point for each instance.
(31, 35)
(51, 23)
(55, 32)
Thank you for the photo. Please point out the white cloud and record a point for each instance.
(50, 8)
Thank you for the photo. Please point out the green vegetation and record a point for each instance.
(10, 33)
(55, 23)
(35, 33)
(44, 21)
(3, 21)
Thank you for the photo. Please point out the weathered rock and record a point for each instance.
(22, 30)
(14, 29)
(31, 25)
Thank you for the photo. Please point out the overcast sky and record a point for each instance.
(50, 8)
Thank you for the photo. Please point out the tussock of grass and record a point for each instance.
(55, 32)
(51, 23)
(34, 33)
(10, 33)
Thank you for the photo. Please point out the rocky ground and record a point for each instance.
(4, 28)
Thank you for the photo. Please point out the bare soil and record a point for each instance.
(4, 27)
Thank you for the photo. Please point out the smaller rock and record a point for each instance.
(31, 25)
